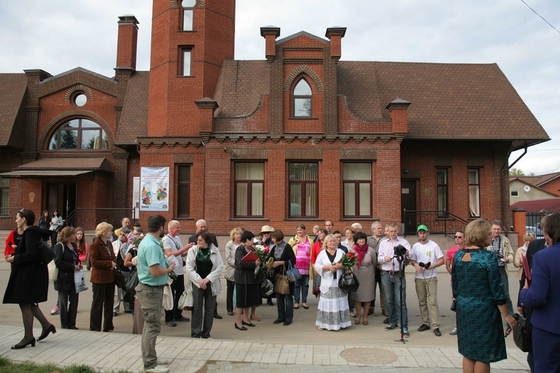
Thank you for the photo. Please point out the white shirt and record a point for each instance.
(429, 252)
(174, 243)
(386, 248)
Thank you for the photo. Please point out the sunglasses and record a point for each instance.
(457, 236)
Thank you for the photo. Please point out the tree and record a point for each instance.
(516, 172)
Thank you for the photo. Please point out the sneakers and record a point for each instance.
(55, 310)
(390, 327)
(423, 328)
(406, 333)
(171, 323)
(437, 332)
(352, 313)
(157, 369)
(386, 321)
(454, 331)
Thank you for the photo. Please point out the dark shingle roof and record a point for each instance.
(134, 117)
(12, 94)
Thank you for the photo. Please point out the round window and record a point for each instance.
(80, 99)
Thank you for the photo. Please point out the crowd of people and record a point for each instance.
(267, 266)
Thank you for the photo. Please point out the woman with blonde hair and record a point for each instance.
(480, 298)
(518, 261)
(67, 260)
(229, 266)
(103, 264)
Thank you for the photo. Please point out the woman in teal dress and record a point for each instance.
(478, 290)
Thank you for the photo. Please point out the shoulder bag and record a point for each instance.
(293, 273)
(119, 279)
(53, 269)
(132, 281)
(281, 283)
(46, 252)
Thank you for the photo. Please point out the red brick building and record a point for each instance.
(299, 136)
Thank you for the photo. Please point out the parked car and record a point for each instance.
(535, 230)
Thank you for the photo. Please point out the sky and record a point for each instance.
(59, 35)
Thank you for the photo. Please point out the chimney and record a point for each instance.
(127, 42)
(270, 34)
(335, 35)
(399, 115)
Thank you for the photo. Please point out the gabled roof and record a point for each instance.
(540, 180)
(539, 205)
(300, 34)
(12, 94)
(522, 181)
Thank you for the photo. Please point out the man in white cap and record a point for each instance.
(426, 256)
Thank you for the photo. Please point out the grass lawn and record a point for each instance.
(6, 366)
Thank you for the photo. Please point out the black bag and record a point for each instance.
(522, 334)
(119, 279)
(131, 282)
(454, 305)
(348, 282)
(46, 252)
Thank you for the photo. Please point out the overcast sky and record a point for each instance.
(59, 35)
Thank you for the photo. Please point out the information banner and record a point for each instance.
(154, 187)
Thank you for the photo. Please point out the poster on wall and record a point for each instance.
(154, 187)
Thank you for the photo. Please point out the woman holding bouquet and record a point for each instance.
(332, 311)
(365, 272)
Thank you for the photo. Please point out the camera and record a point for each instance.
(425, 265)
(399, 250)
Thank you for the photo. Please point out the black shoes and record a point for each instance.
(286, 323)
(248, 324)
(424, 327)
(278, 321)
(216, 316)
(45, 334)
(437, 332)
(182, 319)
(23, 344)
(269, 302)
(386, 321)
(238, 328)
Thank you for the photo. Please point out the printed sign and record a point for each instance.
(154, 187)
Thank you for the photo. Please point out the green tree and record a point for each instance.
(516, 172)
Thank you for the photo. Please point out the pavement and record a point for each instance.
(299, 347)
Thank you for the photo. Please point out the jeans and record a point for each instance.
(285, 305)
(391, 289)
(204, 305)
(301, 286)
(426, 291)
(150, 298)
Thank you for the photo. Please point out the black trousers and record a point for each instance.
(102, 305)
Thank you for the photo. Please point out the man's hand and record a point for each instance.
(171, 267)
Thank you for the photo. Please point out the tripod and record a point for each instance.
(400, 259)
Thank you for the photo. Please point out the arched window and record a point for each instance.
(188, 6)
(302, 100)
(79, 134)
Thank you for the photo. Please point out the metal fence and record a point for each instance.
(87, 218)
(440, 222)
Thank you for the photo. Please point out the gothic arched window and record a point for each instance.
(302, 99)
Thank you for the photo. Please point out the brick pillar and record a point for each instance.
(399, 116)
(519, 223)
(206, 107)
(270, 34)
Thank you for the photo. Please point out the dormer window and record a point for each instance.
(302, 100)
(188, 6)
(79, 134)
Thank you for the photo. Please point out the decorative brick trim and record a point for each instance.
(78, 87)
(303, 69)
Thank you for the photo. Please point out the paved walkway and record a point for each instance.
(119, 351)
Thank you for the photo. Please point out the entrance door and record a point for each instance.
(408, 202)
(62, 197)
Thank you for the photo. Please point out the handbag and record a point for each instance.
(523, 334)
(46, 252)
(348, 282)
(453, 305)
(293, 273)
(131, 282)
(281, 283)
(53, 269)
(119, 279)
(79, 281)
(186, 299)
(167, 299)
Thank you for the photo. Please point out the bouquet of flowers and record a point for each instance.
(134, 242)
(262, 252)
(348, 260)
